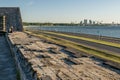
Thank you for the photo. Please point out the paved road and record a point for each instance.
(88, 43)
(7, 64)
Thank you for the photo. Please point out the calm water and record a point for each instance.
(111, 31)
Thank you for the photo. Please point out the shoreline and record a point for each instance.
(83, 30)
(97, 37)
(98, 56)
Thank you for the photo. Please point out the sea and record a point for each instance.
(110, 31)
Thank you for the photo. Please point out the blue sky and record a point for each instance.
(66, 10)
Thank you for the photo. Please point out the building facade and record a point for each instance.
(12, 18)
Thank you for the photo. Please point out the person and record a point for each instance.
(11, 29)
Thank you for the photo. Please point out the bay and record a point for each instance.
(110, 31)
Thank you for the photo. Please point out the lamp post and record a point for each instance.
(99, 35)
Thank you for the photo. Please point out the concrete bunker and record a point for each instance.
(10, 18)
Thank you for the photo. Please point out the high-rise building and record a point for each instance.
(90, 22)
(81, 23)
(94, 23)
(85, 21)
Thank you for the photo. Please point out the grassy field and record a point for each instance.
(79, 47)
(86, 39)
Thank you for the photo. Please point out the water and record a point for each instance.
(111, 31)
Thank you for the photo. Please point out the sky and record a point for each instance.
(66, 11)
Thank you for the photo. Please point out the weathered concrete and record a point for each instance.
(7, 63)
(50, 62)
(24, 67)
(13, 17)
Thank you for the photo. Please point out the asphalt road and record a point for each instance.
(92, 44)
(7, 64)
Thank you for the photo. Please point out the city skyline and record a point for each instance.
(66, 11)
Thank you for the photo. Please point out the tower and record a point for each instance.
(85, 22)
(11, 16)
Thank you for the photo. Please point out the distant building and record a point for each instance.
(94, 22)
(81, 23)
(85, 22)
(90, 22)
(113, 23)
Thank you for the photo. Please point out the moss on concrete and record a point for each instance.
(88, 50)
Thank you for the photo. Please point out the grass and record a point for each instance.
(86, 39)
(91, 47)
(101, 54)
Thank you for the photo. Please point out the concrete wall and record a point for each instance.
(13, 17)
(24, 67)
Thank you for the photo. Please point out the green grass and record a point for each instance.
(102, 54)
(91, 47)
(86, 39)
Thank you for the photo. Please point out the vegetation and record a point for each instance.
(64, 24)
(38, 24)
(51, 24)
(102, 54)
(86, 39)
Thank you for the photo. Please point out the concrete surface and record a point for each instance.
(52, 63)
